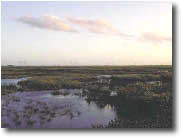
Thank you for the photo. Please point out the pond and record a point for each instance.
(41, 109)
(5, 82)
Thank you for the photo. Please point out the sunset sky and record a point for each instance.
(86, 33)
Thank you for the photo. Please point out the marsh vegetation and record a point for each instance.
(131, 97)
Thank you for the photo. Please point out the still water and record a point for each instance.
(5, 82)
(70, 111)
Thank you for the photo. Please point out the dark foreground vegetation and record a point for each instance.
(143, 96)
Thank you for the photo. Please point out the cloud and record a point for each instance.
(47, 22)
(97, 26)
(154, 38)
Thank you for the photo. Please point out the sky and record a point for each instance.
(86, 33)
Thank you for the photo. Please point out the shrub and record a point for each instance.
(56, 92)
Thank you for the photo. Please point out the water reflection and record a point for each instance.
(6, 82)
(55, 111)
(82, 113)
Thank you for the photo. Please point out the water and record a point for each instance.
(70, 111)
(6, 82)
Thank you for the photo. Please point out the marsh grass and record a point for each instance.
(78, 71)
(134, 107)
(49, 83)
(56, 92)
(8, 89)
(153, 118)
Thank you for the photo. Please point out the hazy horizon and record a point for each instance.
(86, 33)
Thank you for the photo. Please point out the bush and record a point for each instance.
(55, 92)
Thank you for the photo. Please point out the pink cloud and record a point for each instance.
(46, 22)
(154, 38)
(97, 26)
